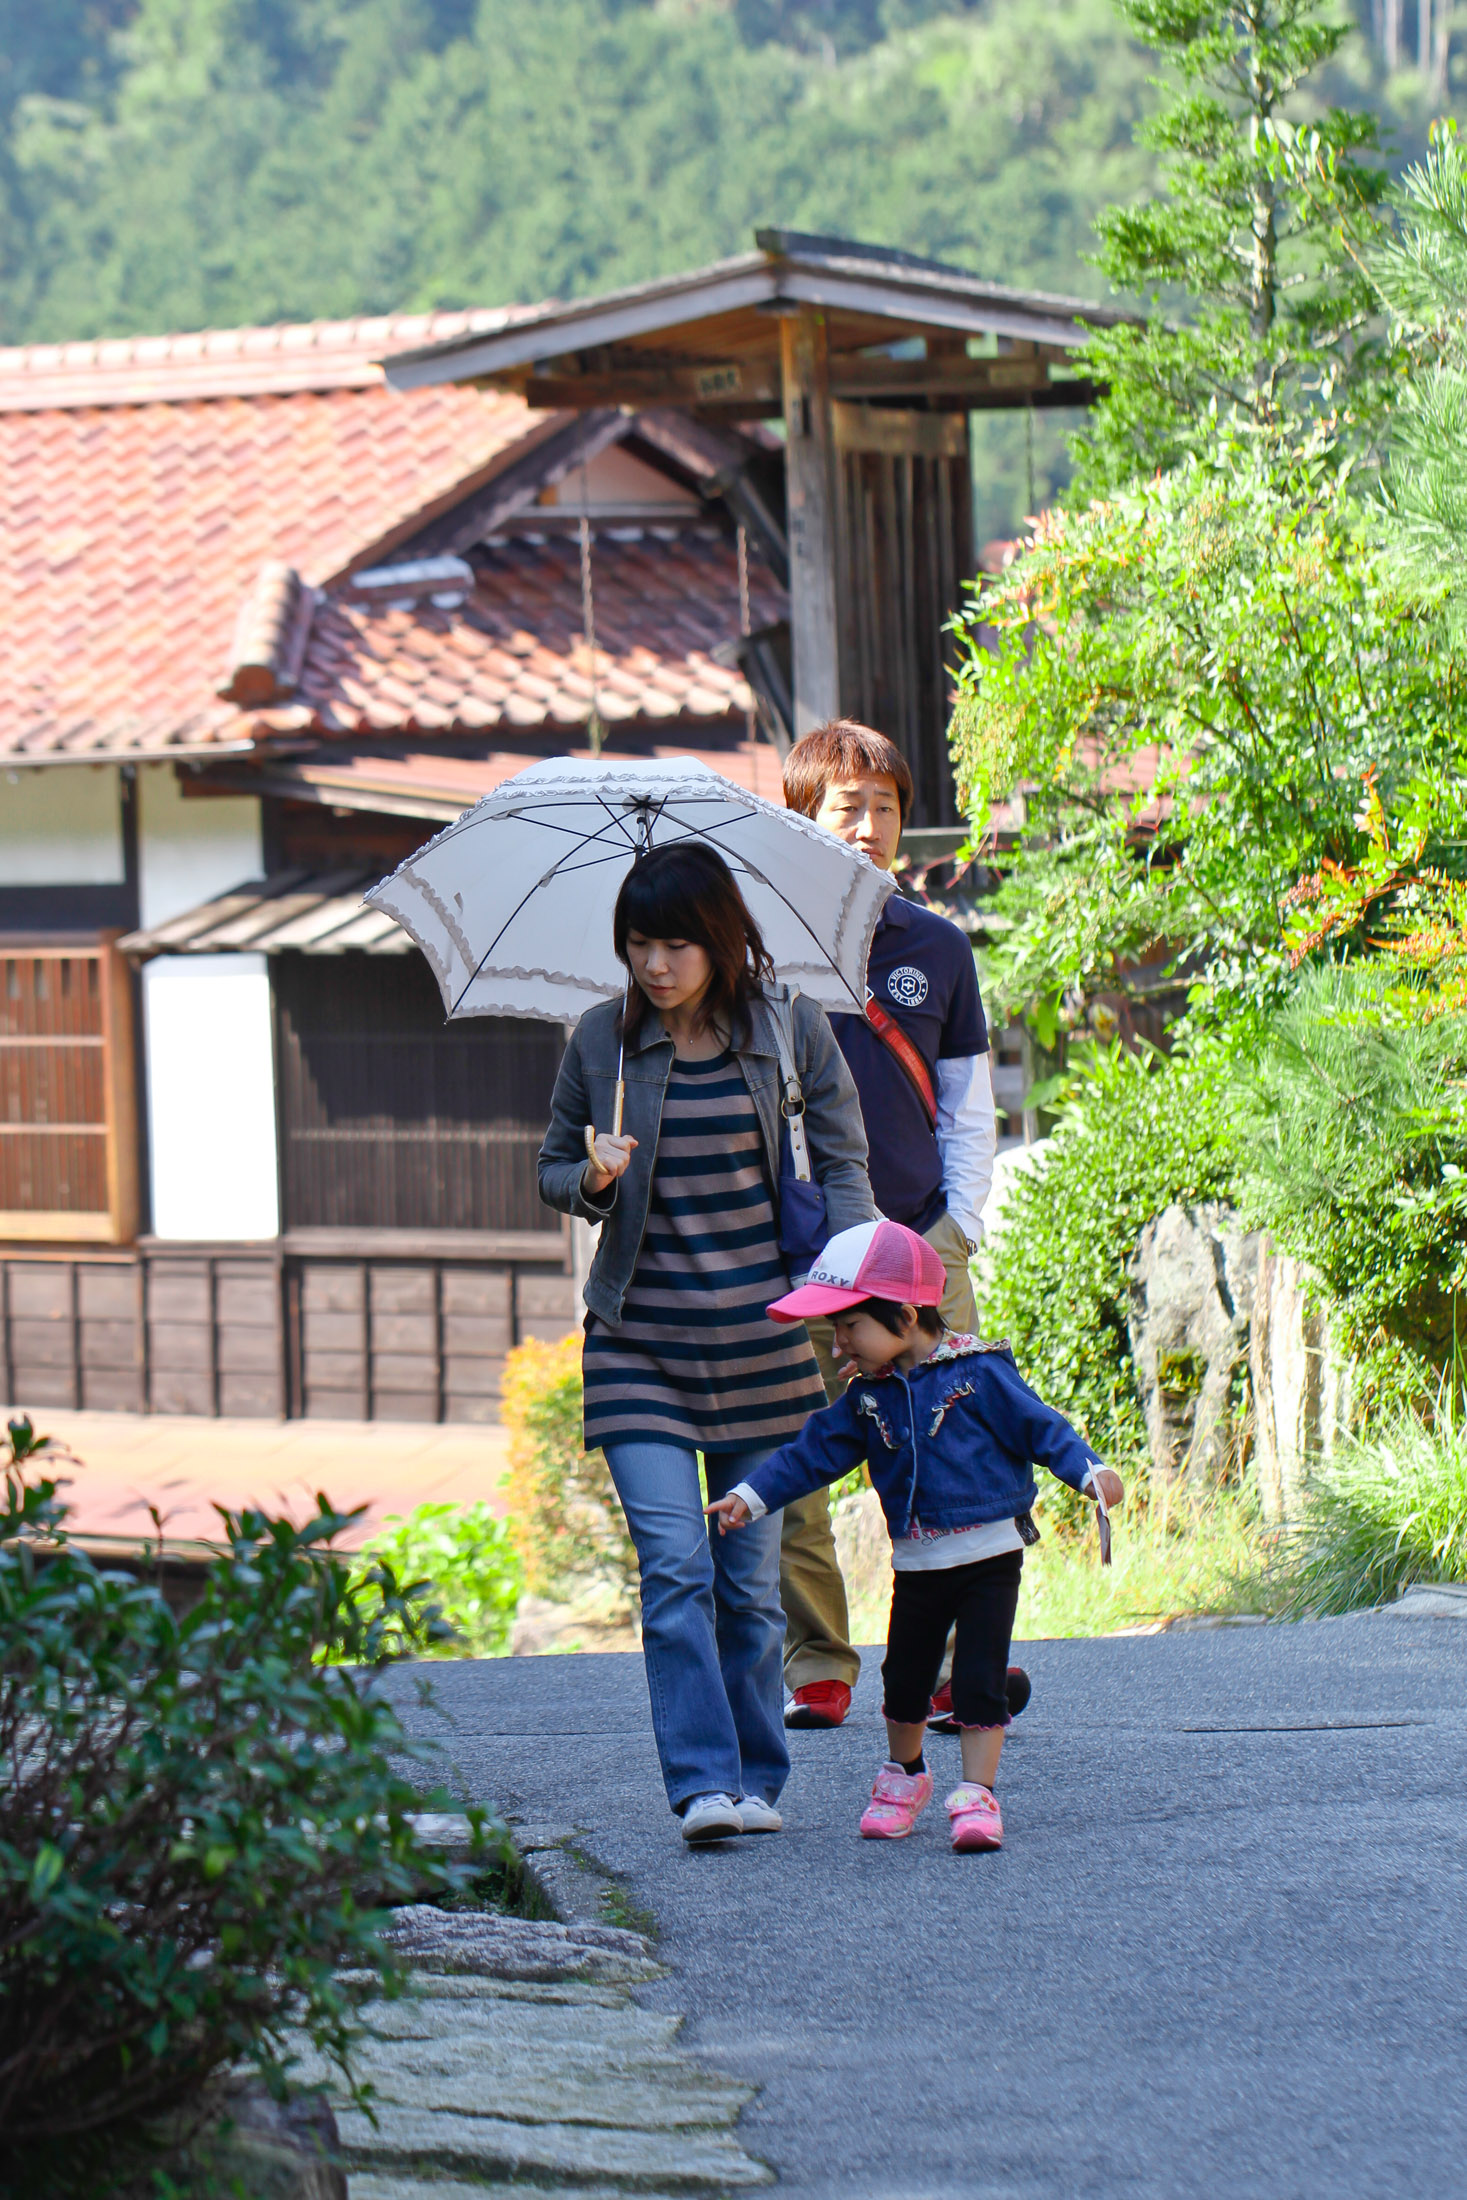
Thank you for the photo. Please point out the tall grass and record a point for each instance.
(1390, 1511)
(1170, 1559)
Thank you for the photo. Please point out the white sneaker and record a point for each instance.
(712, 1818)
(759, 1816)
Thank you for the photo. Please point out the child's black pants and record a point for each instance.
(980, 1600)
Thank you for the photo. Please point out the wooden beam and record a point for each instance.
(731, 385)
(895, 433)
(810, 488)
(955, 384)
(950, 375)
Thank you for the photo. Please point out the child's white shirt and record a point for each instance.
(922, 1554)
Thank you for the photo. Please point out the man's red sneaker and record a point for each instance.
(819, 1703)
(941, 1720)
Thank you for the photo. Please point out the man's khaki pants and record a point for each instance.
(817, 1622)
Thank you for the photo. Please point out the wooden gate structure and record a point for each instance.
(872, 361)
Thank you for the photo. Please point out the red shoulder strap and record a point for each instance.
(891, 1035)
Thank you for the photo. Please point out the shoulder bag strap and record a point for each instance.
(792, 1099)
(892, 1037)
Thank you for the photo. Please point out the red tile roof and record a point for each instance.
(440, 783)
(510, 654)
(136, 511)
(227, 362)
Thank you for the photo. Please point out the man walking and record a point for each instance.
(919, 1057)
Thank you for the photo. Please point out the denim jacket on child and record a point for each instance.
(949, 1446)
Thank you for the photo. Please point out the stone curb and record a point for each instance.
(530, 1950)
(1428, 1600)
(577, 1886)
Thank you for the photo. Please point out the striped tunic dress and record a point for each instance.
(697, 1360)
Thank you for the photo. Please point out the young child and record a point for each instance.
(948, 1429)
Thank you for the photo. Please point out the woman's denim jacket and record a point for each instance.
(949, 1446)
(585, 1092)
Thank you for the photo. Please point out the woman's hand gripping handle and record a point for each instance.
(608, 1154)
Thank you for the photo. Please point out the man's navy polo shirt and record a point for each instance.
(921, 972)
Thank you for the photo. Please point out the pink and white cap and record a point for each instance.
(876, 1260)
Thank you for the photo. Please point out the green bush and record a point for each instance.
(1391, 1510)
(198, 1817)
(463, 1559)
(1355, 1138)
(567, 1521)
(1138, 1131)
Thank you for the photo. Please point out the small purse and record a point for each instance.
(803, 1224)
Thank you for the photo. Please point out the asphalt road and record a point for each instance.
(1221, 1953)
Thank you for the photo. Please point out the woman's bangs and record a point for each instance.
(659, 905)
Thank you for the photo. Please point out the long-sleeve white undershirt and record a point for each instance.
(967, 1137)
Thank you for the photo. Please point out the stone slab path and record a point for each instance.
(521, 2059)
(1221, 1951)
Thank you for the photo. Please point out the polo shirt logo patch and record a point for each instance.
(907, 986)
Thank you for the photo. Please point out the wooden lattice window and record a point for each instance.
(392, 1119)
(68, 1129)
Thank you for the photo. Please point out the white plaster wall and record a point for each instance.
(61, 826)
(191, 849)
(211, 1096)
(615, 481)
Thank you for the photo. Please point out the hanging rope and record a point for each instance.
(751, 716)
(594, 733)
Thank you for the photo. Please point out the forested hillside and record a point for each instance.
(174, 164)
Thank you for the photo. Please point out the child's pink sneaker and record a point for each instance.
(897, 1798)
(975, 1816)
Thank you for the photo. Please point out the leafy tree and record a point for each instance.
(265, 159)
(1261, 224)
(1421, 276)
(1186, 687)
(59, 51)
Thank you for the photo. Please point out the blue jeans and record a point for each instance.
(712, 1626)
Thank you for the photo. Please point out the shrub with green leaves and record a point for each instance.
(1138, 1131)
(464, 1560)
(199, 1818)
(567, 1520)
(1389, 1511)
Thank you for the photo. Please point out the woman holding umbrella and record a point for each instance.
(680, 1356)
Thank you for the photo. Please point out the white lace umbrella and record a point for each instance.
(512, 904)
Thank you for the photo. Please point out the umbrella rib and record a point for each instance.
(699, 834)
(587, 840)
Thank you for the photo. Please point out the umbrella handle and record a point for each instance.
(590, 1129)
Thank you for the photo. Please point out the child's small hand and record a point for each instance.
(1109, 1483)
(731, 1512)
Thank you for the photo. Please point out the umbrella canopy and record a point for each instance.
(512, 904)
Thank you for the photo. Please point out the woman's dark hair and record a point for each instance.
(685, 891)
(889, 1313)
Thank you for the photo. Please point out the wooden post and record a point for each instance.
(810, 464)
(121, 1073)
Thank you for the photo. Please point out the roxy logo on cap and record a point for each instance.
(875, 1260)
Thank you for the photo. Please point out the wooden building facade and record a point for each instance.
(245, 1169)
